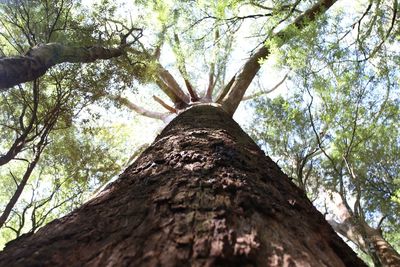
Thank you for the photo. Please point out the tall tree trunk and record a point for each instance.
(203, 194)
(370, 240)
(387, 255)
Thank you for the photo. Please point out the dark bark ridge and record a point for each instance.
(203, 194)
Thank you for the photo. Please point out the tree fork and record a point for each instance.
(203, 194)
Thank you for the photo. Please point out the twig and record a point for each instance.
(264, 92)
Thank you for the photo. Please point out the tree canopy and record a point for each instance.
(72, 72)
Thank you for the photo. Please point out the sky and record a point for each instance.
(268, 77)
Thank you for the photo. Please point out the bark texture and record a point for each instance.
(203, 194)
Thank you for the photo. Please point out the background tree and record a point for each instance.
(47, 125)
(340, 124)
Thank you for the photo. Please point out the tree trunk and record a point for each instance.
(369, 240)
(387, 255)
(203, 194)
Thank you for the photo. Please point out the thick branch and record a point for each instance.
(387, 255)
(171, 94)
(348, 230)
(165, 105)
(368, 239)
(172, 84)
(245, 76)
(211, 80)
(20, 69)
(225, 90)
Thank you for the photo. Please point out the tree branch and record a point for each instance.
(172, 84)
(165, 105)
(264, 92)
(211, 80)
(21, 141)
(37, 151)
(225, 90)
(20, 69)
(246, 74)
(182, 69)
(142, 111)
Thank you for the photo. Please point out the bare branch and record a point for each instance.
(317, 136)
(381, 221)
(283, 7)
(168, 91)
(264, 92)
(211, 80)
(160, 42)
(182, 69)
(165, 105)
(142, 111)
(172, 84)
(225, 90)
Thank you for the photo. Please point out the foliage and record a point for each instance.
(343, 102)
(45, 125)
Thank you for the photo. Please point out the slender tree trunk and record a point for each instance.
(203, 194)
(20, 187)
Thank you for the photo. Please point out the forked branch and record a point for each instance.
(169, 80)
(211, 75)
(264, 92)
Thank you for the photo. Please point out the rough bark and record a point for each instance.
(15, 70)
(203, 194)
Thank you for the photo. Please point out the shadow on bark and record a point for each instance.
(203, 194)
